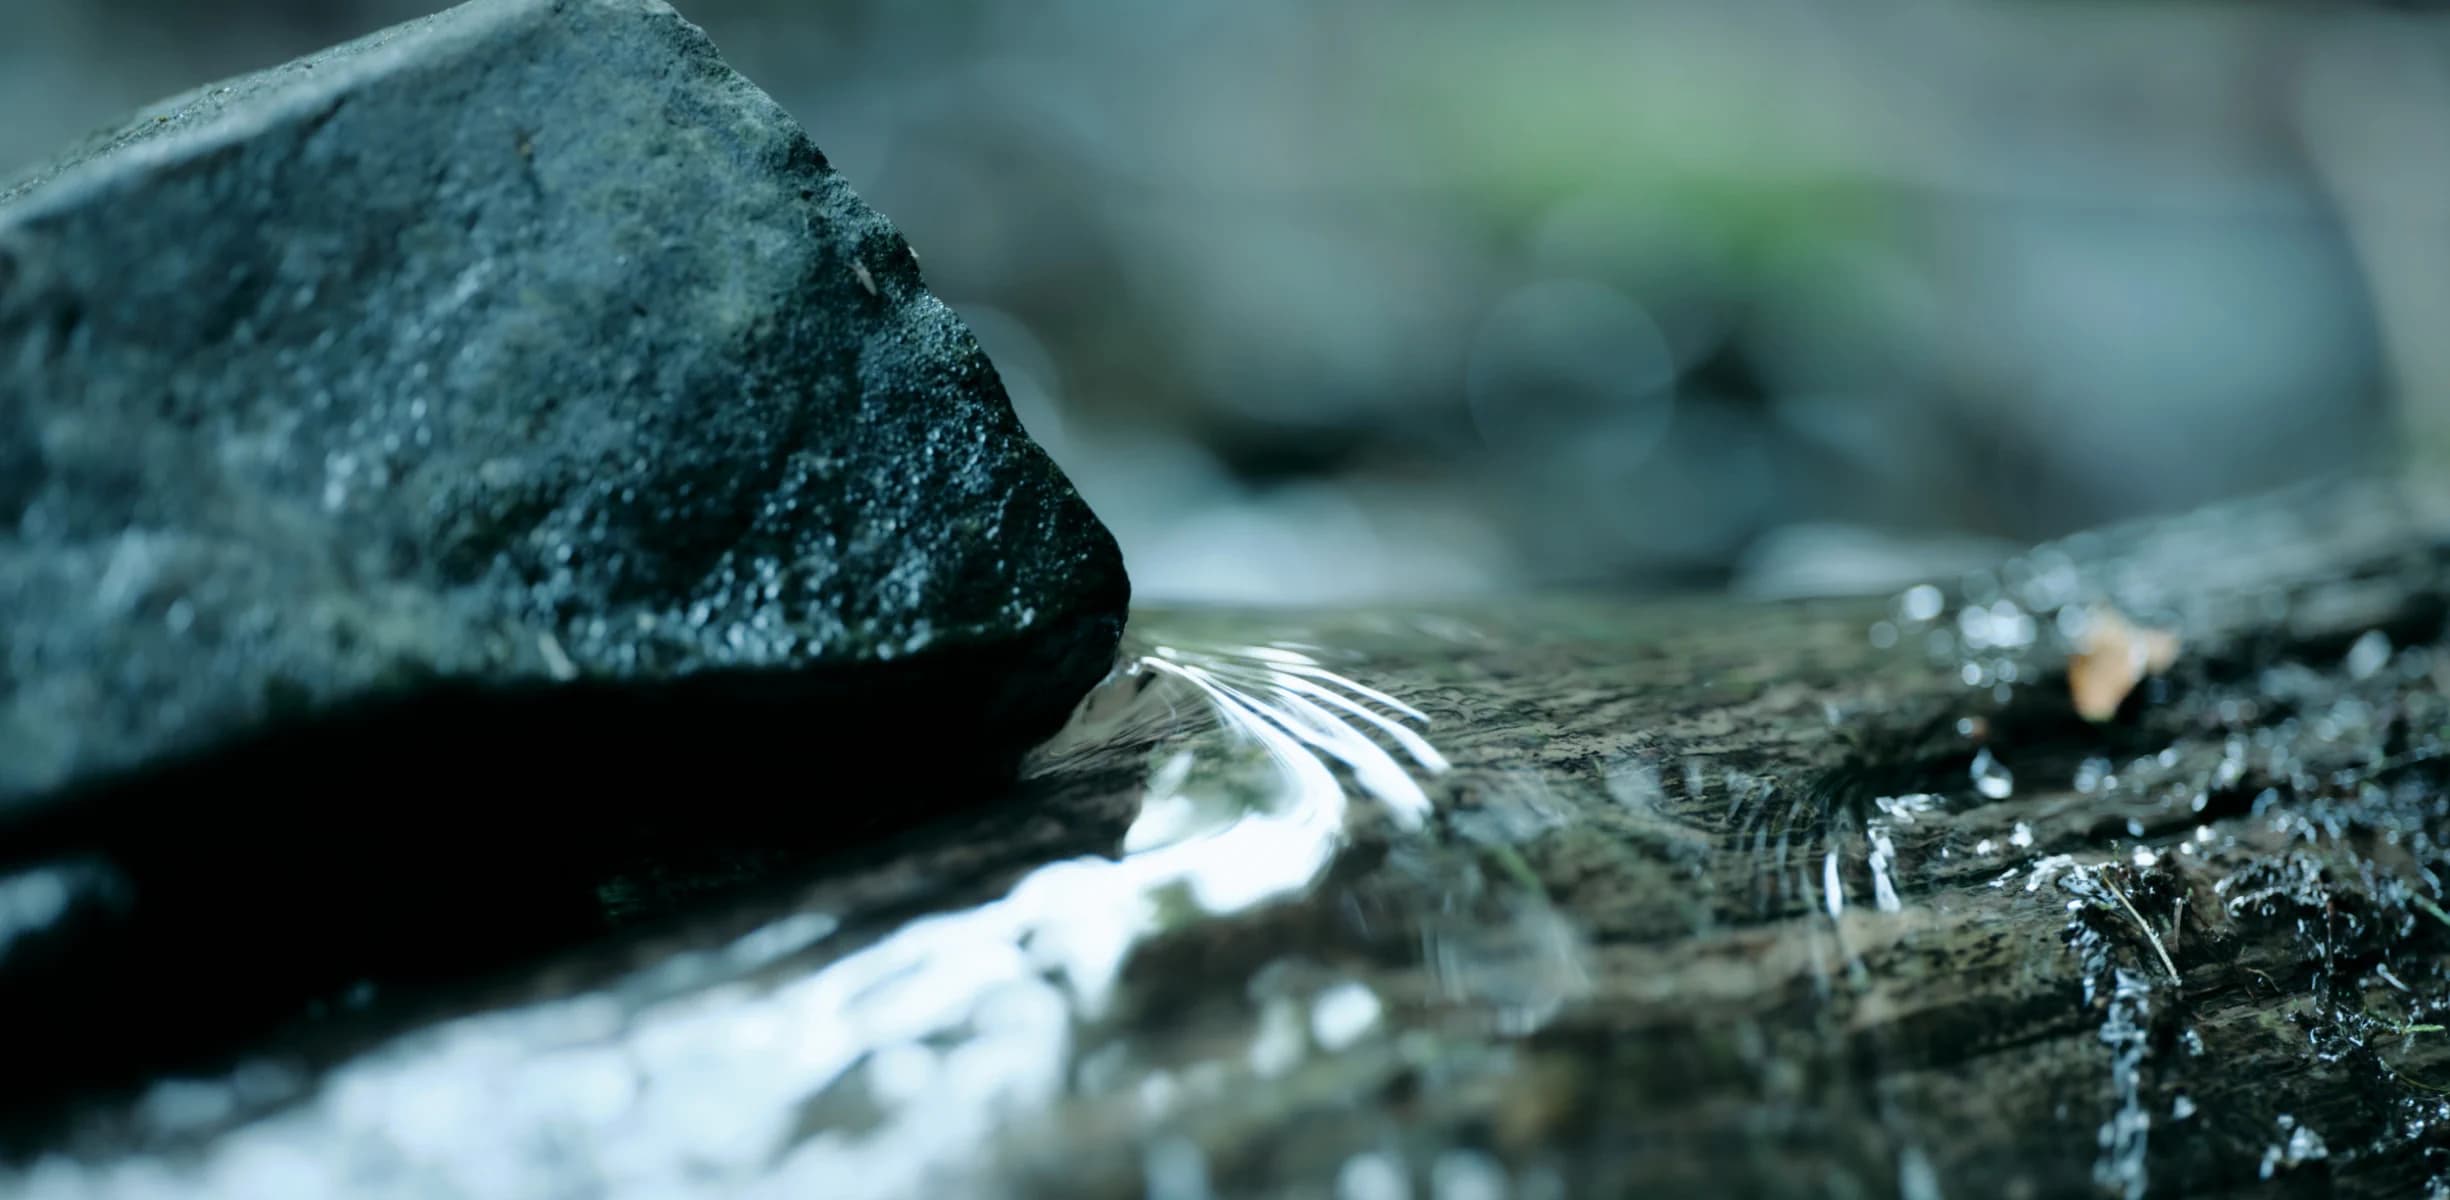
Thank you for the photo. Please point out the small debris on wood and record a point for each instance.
(2112, 656)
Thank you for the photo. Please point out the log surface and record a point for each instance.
(1643, 897)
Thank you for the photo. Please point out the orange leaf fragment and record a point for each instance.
(2113, 655)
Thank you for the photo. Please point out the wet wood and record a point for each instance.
(1711, 898)
(1675, 931)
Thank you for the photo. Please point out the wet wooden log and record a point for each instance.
(1821, 899)
(1679, 898)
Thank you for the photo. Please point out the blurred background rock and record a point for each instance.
(1340, 299)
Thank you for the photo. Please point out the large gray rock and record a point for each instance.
(525, 347)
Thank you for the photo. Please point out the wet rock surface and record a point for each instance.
(523, 345)
(1549, 897)
(475, 485)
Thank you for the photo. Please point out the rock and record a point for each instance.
(521, 346)
(460, 485)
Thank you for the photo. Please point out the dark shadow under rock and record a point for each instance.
(415, 844)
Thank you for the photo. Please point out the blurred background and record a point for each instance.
(1328, 300)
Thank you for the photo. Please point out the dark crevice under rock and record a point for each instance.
(411, 844)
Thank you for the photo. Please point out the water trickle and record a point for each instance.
(1884, 891)
(2124, 1138)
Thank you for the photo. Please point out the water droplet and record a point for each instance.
(1916, 1178)
(2303, 1146)
(2369, 655)
(1920, 603)
(1278, 1048)
(1467, 1175)
(30, 902)
(1994, 781)
(2093, 775)
(1372, 1177)
(1176, 1170)
(1341, 1014)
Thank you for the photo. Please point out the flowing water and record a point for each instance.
(1546, 898)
